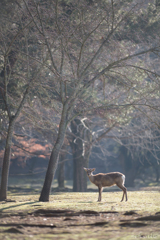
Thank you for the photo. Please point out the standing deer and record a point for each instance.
(107, 180)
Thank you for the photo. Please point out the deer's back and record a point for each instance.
(107, 179)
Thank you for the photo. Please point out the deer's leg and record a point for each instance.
(124, 189)
(99, 197)
(100, 189)
(126, 195)
(123, 196)
(125, 192)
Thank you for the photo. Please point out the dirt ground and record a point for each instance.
(74, 216)
(69, 224)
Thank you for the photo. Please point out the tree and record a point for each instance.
(61, 166)
(134, 164)
(88, 56)
(85, 134)
(81, 147)
(140, 149)
(18, 74)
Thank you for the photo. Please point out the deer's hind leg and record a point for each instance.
(124, 189)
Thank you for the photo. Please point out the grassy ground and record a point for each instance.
(71, 215)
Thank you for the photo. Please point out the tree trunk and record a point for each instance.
(44, 196)
(81, 149)
(61, 165)
(79, 175)
(6, 162)
(60, 177)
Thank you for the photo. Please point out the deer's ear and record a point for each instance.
(93, 169)
(85, 169)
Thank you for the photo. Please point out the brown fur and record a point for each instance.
(107, 180)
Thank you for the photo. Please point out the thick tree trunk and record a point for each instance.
(52, 166)
(61, 166)
(81, 148)
(60, 174)
(6, 162)
(79, 175)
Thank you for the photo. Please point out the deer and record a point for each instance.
(107, 180)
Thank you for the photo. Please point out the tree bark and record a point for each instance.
(61, 168)
(6, 162)
(60, 177)
(53, 162)
(81, 149)
(79, 175)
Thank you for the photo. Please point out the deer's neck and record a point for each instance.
(91, 178)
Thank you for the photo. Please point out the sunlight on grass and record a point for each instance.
(137, 200)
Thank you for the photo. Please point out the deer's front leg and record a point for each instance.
(100, 194)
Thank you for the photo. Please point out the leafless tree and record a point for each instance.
(18, 74)
(95, 57)
(88, 44)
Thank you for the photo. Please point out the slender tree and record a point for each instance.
(17, 76)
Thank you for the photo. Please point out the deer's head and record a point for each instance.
(89, 171)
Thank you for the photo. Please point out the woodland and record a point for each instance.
(79, 87)
(79, 83)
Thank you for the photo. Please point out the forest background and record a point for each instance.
(79, 87)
